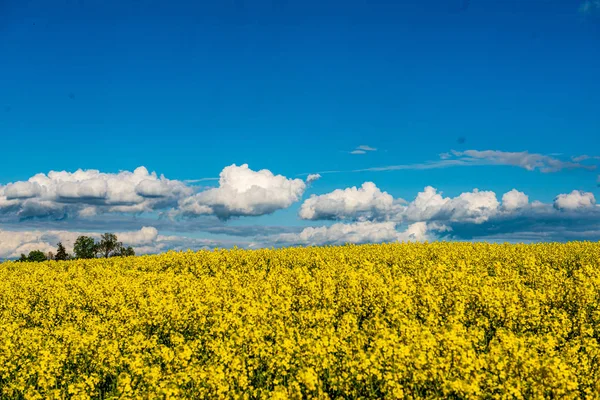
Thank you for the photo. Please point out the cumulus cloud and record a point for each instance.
(90, 192)
(244, 192)
(475, 207)
(514, 200)
(365, 203)
(22, 190)
(144, 236)
(357, 233)
(426, 205)
(576, 200)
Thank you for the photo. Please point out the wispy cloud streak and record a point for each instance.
(471, 158)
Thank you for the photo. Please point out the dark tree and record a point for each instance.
(23, 258)
(85, 247)
(36, 256)
(128, 252)
(125, 252)
(61, 253)
(109, 245)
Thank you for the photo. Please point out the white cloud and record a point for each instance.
(369, 203)
(312, 177)
(372, 214)
(426, 205)
(364, 203)
(523, 159)
(415, 232)
(366, 148)
(474, 207)
(585, 157)
(90, 192)
(469, 213)
(357, 233)
(22, 190)
(12, 244)
(152, 188)
(144, 236)
(576, 200)
(514, 200)
(94, 188)
(470, 158)
(244, 192)
(362, 149)
(179, 243)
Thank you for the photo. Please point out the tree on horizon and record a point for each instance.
(61, 253)
(85, 247)
(36, 256)
(109, 246)
(125, 252)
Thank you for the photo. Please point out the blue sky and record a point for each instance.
(186, 89)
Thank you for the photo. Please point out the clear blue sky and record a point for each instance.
(187, 88)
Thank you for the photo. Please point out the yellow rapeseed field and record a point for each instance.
(440, 320)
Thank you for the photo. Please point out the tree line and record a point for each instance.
(85, 247)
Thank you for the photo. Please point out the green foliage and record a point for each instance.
(61, 253)
(125, 252)
(36, 256)
(109, 246)
(85, 247)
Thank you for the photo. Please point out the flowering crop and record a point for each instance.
(440, 320)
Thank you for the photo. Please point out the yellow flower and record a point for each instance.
(437, 320)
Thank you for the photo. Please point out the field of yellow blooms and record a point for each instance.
(440, 320)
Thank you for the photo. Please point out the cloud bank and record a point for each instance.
(91, 192)
(356, 233)
(470, 214)
(90, 199)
